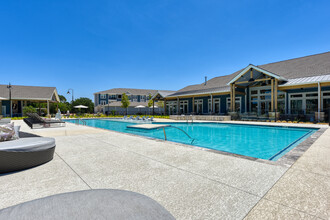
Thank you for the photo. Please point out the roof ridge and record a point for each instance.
(294, 58)
(30, 86)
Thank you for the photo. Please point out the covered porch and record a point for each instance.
(13, 99)
(270, 96)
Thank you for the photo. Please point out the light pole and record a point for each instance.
(71, 93)
(10, 109)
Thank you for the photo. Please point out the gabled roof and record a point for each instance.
(313, 65)
(251, 66)
(36, 93)
(162, 93)
(130, 91)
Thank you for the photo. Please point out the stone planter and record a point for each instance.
(322, 116)
(271, 115)
(233, 115)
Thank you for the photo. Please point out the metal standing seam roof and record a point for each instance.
(307, 80)
(29, 92)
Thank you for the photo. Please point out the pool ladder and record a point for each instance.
(83, 122)
(191, 117)
(192, 139)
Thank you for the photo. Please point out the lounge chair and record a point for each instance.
(143, 118)
(130, 118)
(125, 117)
(137, 118)
(5, 120)
(151, 119)
(89, 204)
(147, 118)
(35, 121)
(25, 153)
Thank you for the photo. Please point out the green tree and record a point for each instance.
(150, 103)
(125, 101)
(160, 104)
(62, 98)
(83, 101)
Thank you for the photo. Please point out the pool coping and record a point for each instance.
(287, 160)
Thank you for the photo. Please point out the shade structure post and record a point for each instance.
(233, 101)
(318, 101)
(231, 97)
(193, 104)
(153, 107)
(47, 107)
(272, 95)
(212, 109)
(275, 94)
(177, 106)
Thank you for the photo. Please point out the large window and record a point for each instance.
(112, 97)
(216, 106)
(326, 102)
(103, 102)
(171, 107)
(103, 96)
(260, 99)
(184, 107)
(237, 104)
(303, 103)
(199, 106)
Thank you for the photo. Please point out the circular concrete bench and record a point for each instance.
(89, 204)
(25, 153)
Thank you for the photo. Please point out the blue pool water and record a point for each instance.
(265, 142)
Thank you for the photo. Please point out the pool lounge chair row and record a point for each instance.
(35, 121)
(138, 118)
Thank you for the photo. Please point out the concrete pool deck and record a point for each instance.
(190, 183)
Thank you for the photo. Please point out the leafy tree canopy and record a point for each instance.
(83, 101)
(125, 101)
(150, 101)
(62, 98)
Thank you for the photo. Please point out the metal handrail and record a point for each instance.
(193, 139)
(80, 120)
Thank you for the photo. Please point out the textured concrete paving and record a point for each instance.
(190, 183)
(304, 190)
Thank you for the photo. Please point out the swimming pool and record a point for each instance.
(264, 142)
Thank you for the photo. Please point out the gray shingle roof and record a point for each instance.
(131, 91)
(313, 65)
(28, 92)
(132, 104)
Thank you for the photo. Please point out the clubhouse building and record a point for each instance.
(292, 87)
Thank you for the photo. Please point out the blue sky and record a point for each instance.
(157, 44)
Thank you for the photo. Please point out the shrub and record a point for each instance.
(29, 109)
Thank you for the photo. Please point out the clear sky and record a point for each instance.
(91, 46)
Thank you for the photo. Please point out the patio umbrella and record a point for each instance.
(80, 106)
(152, 107)
(2, 98)
(139, 106)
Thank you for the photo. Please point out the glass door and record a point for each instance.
(296, 106)
(265, 107)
